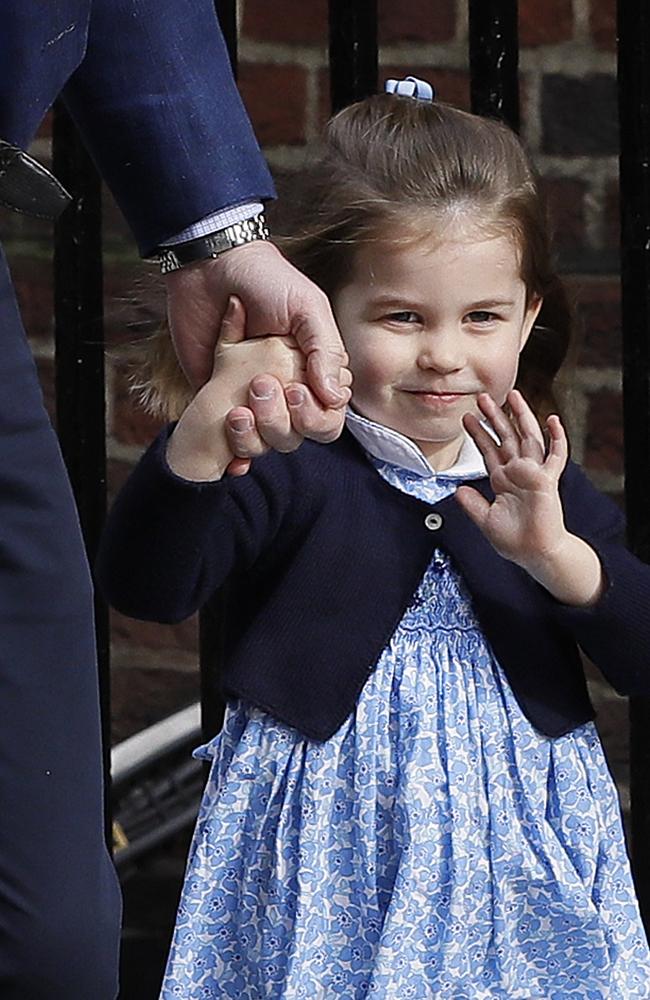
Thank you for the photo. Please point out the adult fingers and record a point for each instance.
(271, 412)
(319, 340)
(242, 435)
(310, 418)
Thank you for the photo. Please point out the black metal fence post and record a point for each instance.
(352, 51)
(79, 355)
(634, 118)
(212, 620)
(494, 59)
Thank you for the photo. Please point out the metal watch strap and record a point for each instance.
(204, 247)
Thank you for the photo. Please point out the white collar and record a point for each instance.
(389, 445)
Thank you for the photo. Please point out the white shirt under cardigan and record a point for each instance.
(435, 846)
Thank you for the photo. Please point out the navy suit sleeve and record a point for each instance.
(169, 544)
(615, 632)
(156, 102)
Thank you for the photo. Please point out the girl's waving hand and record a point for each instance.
(525, 521)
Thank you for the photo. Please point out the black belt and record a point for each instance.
(26, 186)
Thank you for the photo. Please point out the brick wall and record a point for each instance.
(569, 125)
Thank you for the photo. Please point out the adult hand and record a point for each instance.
(278, 299)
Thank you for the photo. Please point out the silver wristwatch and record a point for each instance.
(204, 247)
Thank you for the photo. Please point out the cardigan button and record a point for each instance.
(433, 521)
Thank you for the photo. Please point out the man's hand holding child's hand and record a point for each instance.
(255, 399)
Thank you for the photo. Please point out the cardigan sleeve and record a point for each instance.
(615, 632)
(169, 544)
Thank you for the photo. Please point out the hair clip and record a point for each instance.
(410, 86)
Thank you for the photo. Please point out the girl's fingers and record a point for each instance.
(310, 418)
(532, 438)
(505, 431)
(558, 448)
(233, 323)
(238, 467)
(271, 412)
(241, 434)
(475, 506)
(484, 441)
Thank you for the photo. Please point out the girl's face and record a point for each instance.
(427, 329)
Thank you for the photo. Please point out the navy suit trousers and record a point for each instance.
(59, 897)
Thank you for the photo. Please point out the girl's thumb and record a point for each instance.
(233, 323)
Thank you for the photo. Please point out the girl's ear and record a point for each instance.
(531, 314)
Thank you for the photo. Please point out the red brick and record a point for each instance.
(324, 104)
(604, 436)
(545, 24)
(565, 198)
(130, 425)
(286, 21)
(579, 115)
(598, 310)
(32, 279)
(275, 97)
(416, 21)
(602, 21)
(149, 635)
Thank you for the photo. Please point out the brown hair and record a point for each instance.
(394, 167)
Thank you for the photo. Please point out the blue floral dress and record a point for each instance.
(436, 846)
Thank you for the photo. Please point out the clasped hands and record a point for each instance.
(256, 398)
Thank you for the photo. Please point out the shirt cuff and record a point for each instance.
(218, 220)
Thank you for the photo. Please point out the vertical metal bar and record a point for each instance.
(634, 116)
(494, 59)
(352, 51)
(227, 15)
(212, 620)
(79, 352)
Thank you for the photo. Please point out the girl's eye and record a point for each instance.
(406, 316)
(480, 316)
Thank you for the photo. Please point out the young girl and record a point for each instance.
(408, 798)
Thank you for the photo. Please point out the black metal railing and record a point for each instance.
(79, 367)
(493, 58)
(634, 124)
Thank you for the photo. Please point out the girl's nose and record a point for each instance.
(441, 352)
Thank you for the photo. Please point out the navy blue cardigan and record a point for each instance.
(322, 557)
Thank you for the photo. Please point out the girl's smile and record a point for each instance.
(429, 328)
